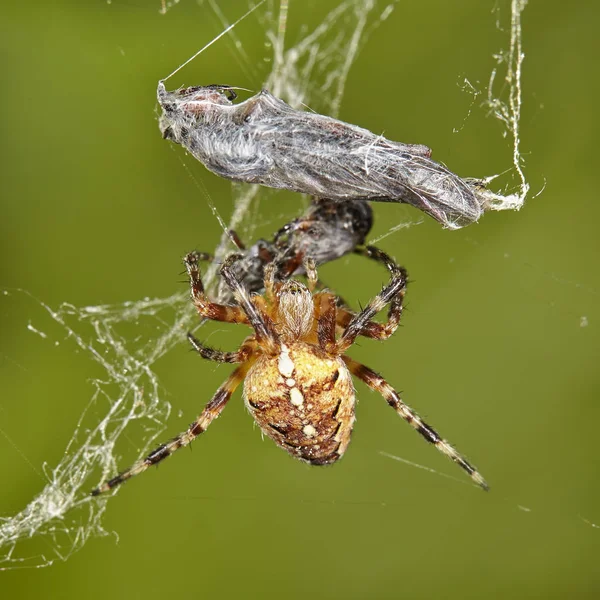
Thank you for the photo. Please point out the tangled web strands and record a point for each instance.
(62, 515)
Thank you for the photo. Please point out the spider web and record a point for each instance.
(313, 72)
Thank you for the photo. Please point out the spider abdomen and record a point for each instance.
(304, 400)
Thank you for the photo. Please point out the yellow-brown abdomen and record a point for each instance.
(303, 400)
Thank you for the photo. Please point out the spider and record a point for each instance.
(297, 377)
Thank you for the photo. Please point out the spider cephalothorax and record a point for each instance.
(297, 378)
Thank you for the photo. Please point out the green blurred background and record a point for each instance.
(499, 348)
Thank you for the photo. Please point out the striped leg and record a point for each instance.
(361, 324)
(325, 312)
(262, 325)
(206, 308)
(311, 273)
(270, 281)
(377, 383)
(372, 329)
(238, 356)
(211, 411)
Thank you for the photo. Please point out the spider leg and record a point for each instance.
(345, 314)
(311, 273)
(325, 314)
(379, 384)
(211, 411)
(238, 356)
(205, 307)
(270, 281)
(372, 329)
(361, 323)
(263, 327)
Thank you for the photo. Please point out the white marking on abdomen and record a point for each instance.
(309, 430)
(285, 364)
(296, 397)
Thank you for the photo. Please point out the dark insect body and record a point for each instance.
(327, 231)
(264, 140)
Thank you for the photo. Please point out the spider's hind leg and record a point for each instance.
(211, 411)
(379, 384)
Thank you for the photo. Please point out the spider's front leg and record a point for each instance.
(211, 411)
(205, 307)
(239, 356)
(379, 384)
(361, 323)
(264, 328)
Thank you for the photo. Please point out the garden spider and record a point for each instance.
(297, 379)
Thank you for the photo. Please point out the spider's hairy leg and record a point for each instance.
(325, 314)
(211, 411)
(269, 281)
(206, 308)
(257, 319)
(361, 324)
(372, 329)
(311, 273)
(379, 384)
(239, 356)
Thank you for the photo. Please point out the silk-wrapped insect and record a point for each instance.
(264, 140)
